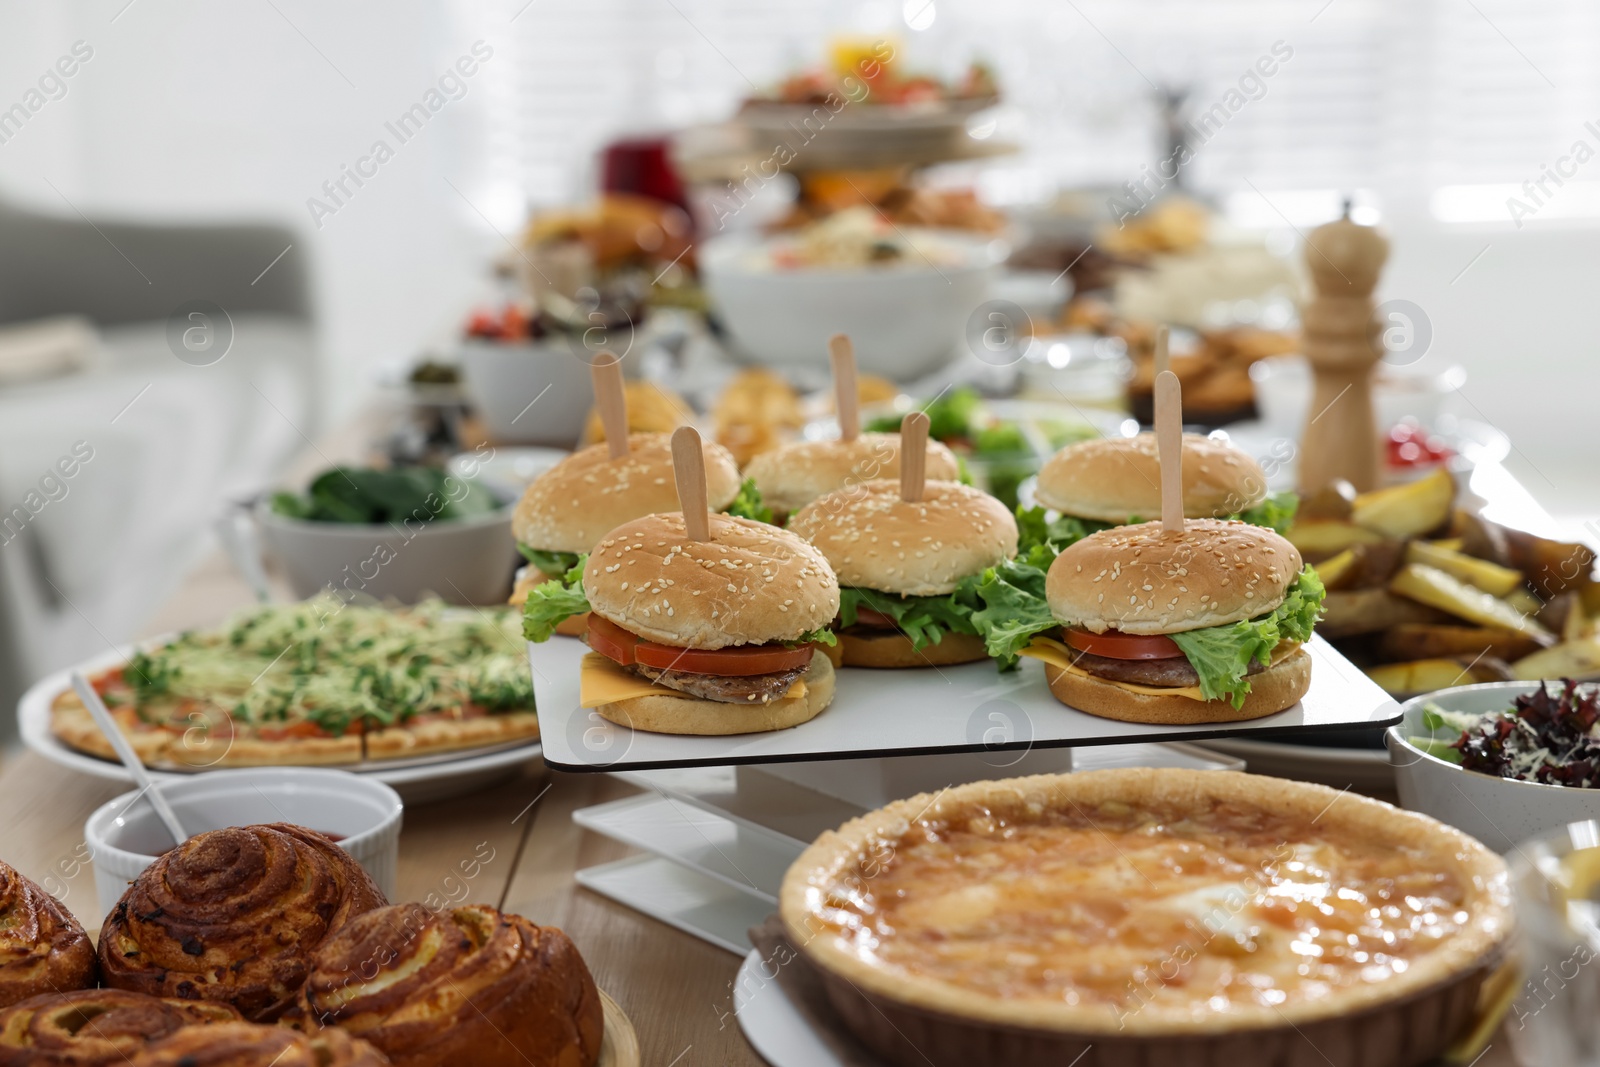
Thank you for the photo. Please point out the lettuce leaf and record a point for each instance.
(1012, 608)
(924, 619)
(1221, 655)
(1033, 528)
(552, 563)
(1276, 512)
(748, 504)
(551, 603)
(821, 636)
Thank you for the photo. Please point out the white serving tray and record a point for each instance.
(924, 711)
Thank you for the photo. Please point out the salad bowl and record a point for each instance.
(1499, 811)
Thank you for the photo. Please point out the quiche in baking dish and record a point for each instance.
(1033, 919)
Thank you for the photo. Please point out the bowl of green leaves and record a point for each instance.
(400, 533)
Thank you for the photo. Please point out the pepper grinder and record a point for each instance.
(1340, 336)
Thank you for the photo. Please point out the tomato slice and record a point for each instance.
(611, 640)
(1114, 645)
(868, 617)
(616, 643)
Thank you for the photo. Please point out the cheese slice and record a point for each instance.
(603, 681)
(1049, 650)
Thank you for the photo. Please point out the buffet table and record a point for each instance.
(677, 989)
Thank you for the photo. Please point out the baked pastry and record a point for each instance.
(43, 949)
(233, 916)
(95, 1027)
(472, 985)
(249, 1045)
(1159, 917)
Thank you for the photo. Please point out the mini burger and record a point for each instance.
(699, 636)
(792, 476)
(1193, 626)
(568, 508)
(905, 568)
(1111, 481)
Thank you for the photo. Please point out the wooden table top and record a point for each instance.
(677, 990)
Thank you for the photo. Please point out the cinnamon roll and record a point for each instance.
(251, 1045)
(233, 916)
(470, 985)
(95, 1027)
(43, 949)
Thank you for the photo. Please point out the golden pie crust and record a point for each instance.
(1021, 920)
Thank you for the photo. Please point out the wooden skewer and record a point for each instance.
(1169, 446)
(611, 399)
(1163, 357)
(913, 456)
(689, 467)
(845, 395)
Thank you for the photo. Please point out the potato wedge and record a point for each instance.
(1330, 502)
(1379, 561)
(1409, 510)
(1490, 577)
(1432, 586)
(1410, 641)
(1570, 659)
(1452, 543)
(1317, 539)
(1426, 675)
(1341, 571)
(1524, 601)
(1551, 567)
(1365, 611)
(1480, 538)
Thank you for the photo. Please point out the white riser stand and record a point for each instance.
(717, 840)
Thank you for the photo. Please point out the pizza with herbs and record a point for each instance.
(316, 682)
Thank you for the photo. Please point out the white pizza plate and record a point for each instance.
(418, 781)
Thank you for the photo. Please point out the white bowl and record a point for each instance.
(529, 393)
(1500, 812)
(904, 320)
(505, 471)
(125, 836)
(463, 561)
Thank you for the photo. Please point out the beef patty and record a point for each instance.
(1174, 672)
(749, 689)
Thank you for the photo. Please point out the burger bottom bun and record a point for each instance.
(1272, 690)
(574, 625)
(867, 647)
(687, 715)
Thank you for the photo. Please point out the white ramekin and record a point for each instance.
(125, 836)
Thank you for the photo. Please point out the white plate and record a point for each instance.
(418, 781)
(1365, 770)
(770, 1021)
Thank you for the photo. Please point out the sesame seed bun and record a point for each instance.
(1143, 580)
(1115, 479)
(750, 584)
(891, 649)
(572, 505)
(793, 476)
(875, 540)
(682, 715)
(1272, 690)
